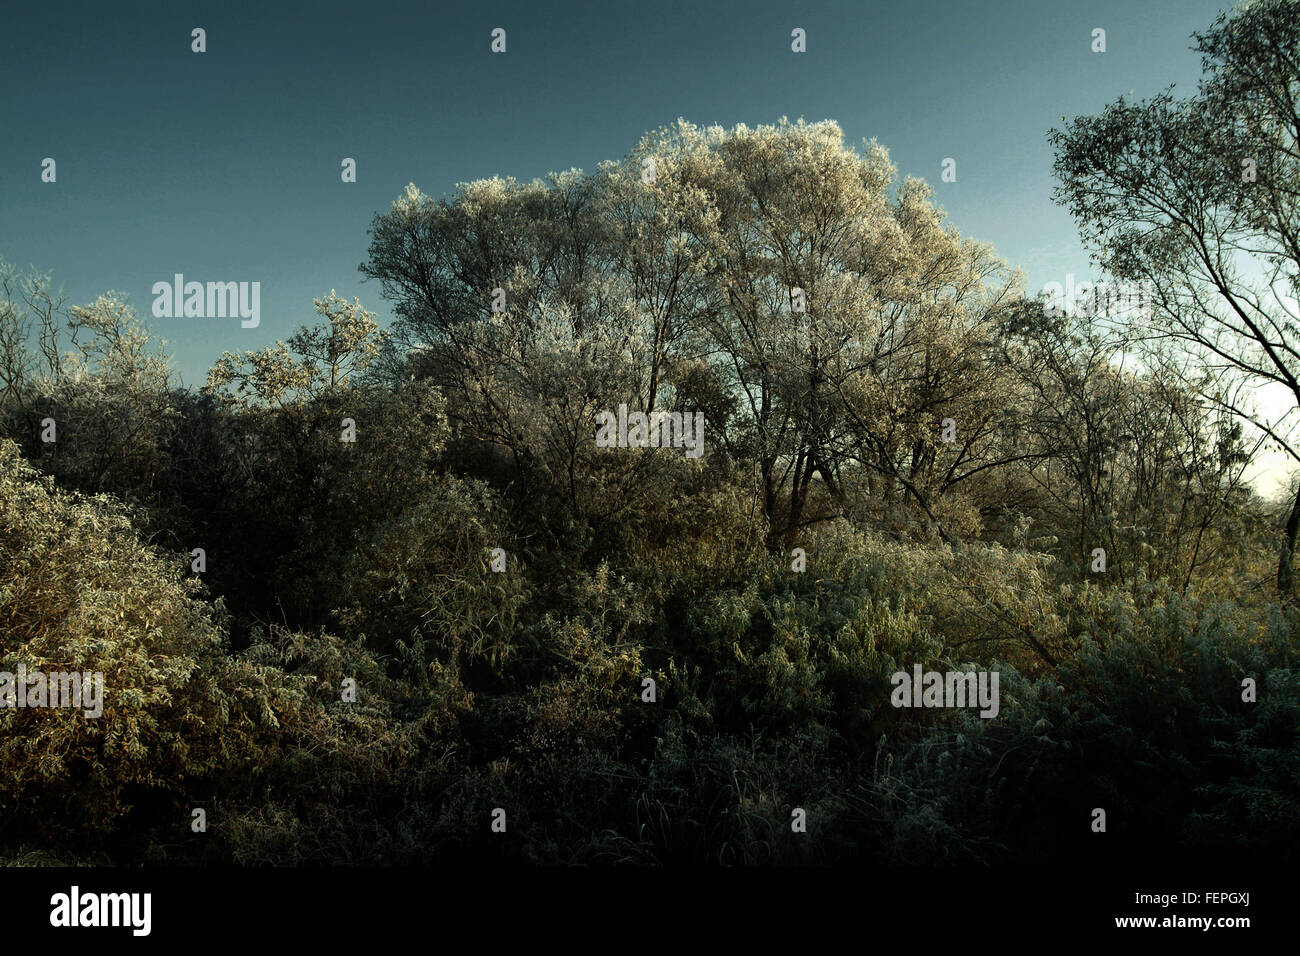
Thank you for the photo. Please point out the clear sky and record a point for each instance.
(224, 166)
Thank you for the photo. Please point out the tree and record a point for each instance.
(1124, 456)
(1197, 197)
(765, 274)
(313, 485)
(97, 373)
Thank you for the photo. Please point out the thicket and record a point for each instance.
(915, 468)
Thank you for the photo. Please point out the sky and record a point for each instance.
(225, 165)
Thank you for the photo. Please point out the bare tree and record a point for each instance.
(1197, 198)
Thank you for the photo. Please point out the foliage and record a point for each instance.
(428, 593)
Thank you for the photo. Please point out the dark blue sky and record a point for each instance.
(225, 165)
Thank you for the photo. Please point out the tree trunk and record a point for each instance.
(1285, 564)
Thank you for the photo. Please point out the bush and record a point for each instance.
(183, 720)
